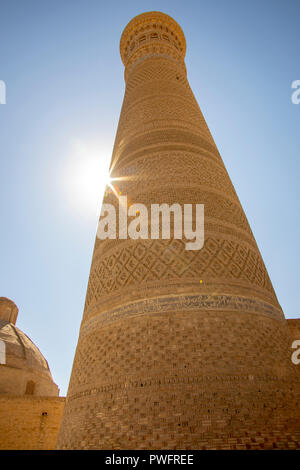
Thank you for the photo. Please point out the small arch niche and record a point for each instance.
(30, 387)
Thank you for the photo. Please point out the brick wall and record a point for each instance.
(294, 326)
(29, 423)
(177, 349)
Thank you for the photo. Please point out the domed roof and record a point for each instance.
(8, 310)
(23, 368)
(20, 349)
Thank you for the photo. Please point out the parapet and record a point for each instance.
(152, 33)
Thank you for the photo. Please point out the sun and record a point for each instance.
(86, 176)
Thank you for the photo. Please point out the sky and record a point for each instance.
(64, 83)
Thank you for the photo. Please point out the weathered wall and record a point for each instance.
(29, 423)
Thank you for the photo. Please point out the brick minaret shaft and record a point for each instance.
(177, 349)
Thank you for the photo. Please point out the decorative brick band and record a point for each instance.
(186, 303)
(173, 380)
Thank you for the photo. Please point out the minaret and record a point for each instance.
(177, 349)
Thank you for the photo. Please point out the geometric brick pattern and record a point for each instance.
(156, 261)
(177, 349)
(122, 399)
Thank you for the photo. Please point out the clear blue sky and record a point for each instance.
(61, 65)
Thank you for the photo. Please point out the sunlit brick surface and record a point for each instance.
(178, 349)
(29, 423)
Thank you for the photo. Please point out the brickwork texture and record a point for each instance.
(177, 349)
(29, 423)
(30, 409)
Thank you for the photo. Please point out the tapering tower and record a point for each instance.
(177, 349)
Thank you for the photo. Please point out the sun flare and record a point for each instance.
(86, 176)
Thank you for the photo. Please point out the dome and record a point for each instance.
(23, 368)
(8, 310)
